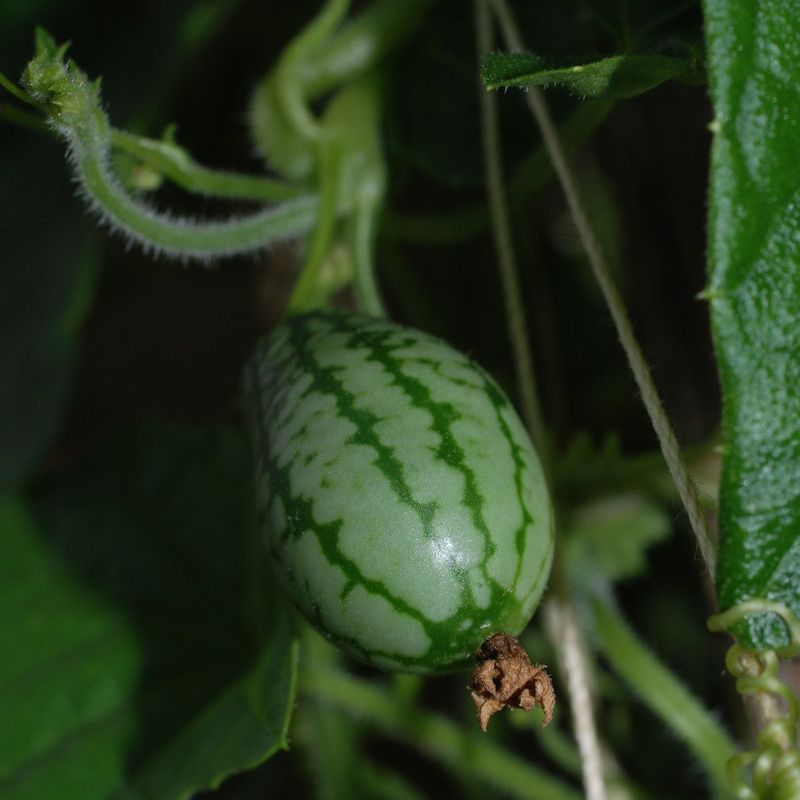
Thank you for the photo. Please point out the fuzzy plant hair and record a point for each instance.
(74, 111)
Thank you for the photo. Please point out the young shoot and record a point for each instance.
(72, 106)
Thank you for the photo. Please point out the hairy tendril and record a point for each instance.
(71, 103)
(773, 768)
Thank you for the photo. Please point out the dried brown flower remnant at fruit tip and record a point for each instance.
(505, 676)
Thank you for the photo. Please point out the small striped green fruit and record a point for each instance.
(403, 503)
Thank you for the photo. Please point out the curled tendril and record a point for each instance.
(774, 767)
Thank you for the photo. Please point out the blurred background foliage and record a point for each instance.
(98, 341)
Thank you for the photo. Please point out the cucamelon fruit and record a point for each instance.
(402, 501)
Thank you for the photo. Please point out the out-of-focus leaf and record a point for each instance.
(144, 652)
(754, 290)
(611, 535)
(48, 263)
(617, 77)
(46, 284)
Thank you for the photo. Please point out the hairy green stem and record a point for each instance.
(163, 234)
(436, 737)
(177, 165)
(638, 364)
(72, 107)
(661, 691)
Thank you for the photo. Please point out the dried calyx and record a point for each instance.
(505, 677)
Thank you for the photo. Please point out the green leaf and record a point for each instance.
(611, 535)
(145, 654)
(754, 290)
(617, 77)
(47, 283)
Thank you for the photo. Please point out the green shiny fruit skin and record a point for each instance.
(403, 504)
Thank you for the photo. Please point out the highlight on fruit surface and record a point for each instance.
(403, 505)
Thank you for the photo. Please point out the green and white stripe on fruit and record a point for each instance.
(403, 504)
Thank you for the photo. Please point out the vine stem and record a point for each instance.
(182, 237)
(641, 371)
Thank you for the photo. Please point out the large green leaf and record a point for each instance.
(754, 263)
(617, 77)
(144, 652)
